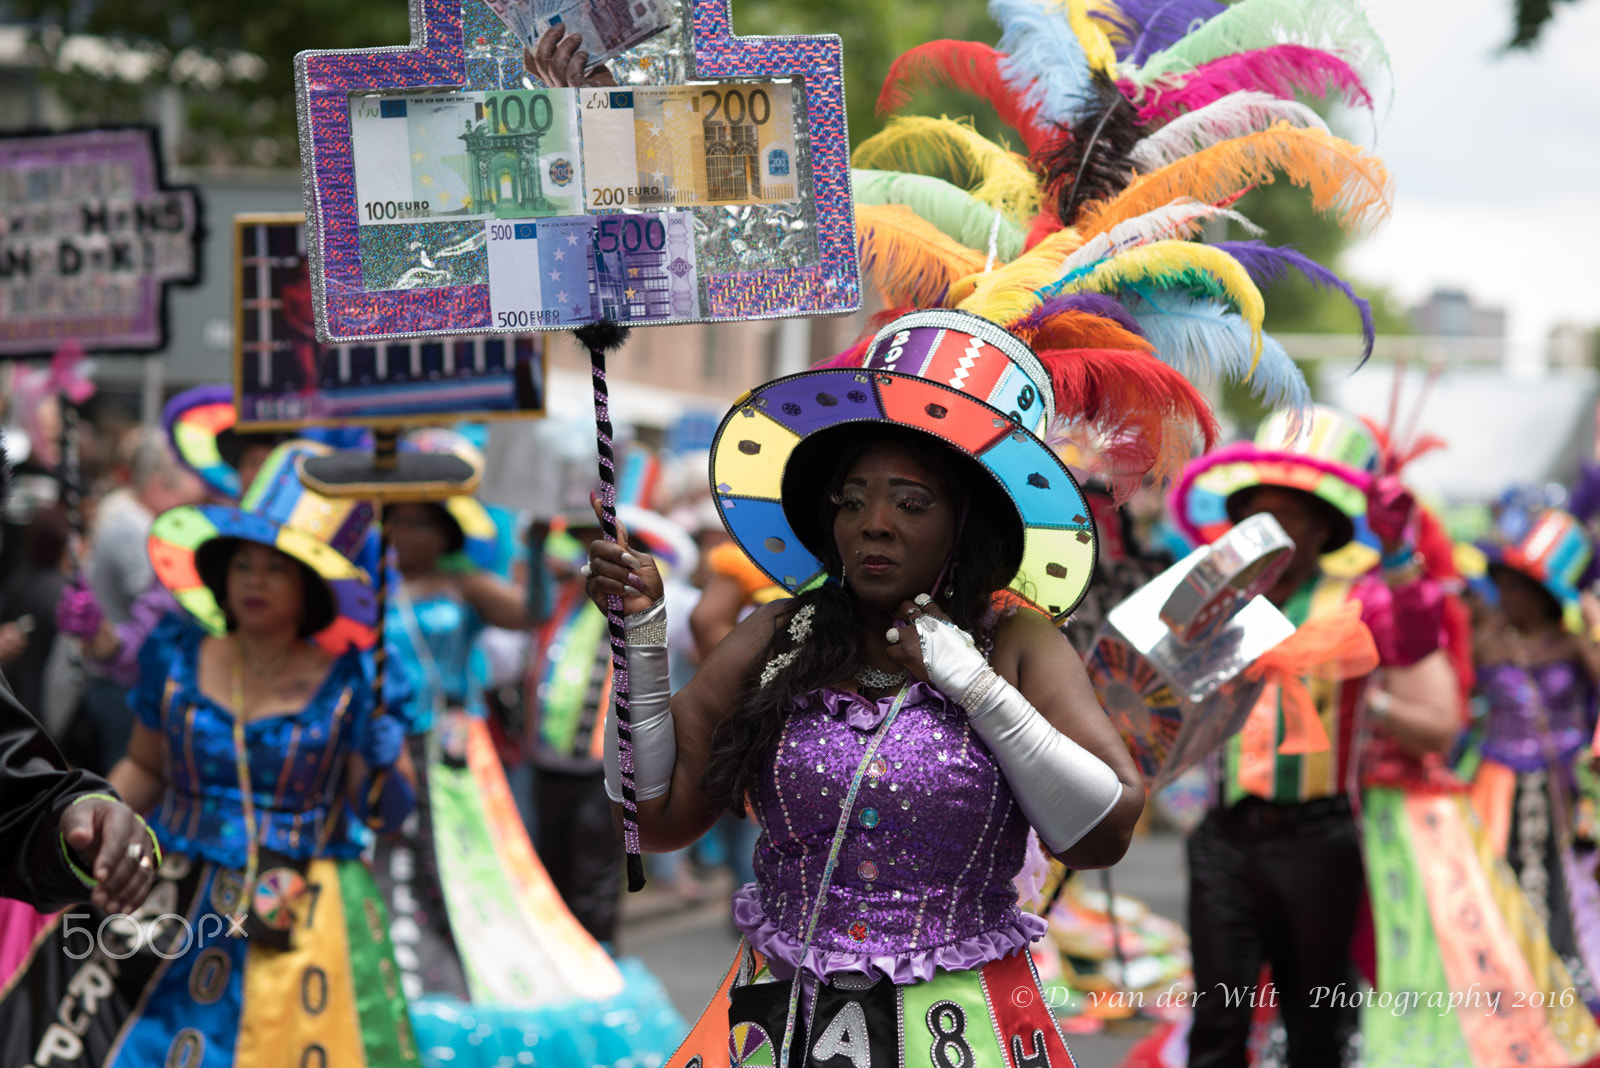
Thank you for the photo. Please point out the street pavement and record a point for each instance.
(690, 948)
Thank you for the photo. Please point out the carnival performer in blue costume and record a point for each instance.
(492, 961)
(262, 748)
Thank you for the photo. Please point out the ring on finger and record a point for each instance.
(134, 851)
(892, 635)
(145, 863)
(585, 570)
(922, 600)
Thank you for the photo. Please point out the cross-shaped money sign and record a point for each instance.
(447, 194)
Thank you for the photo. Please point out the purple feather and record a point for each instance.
(1282, 70)
(1088, 303)
(1268, 263)
(1163, 23)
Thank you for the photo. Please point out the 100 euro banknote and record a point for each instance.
(502, 154)
(682, 146)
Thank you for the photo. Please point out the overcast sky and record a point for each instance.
(1496, 161)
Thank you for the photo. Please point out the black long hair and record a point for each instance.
(212, 560)
(987, 554)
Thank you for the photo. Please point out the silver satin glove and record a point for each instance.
(1063, 789)
(655, 747)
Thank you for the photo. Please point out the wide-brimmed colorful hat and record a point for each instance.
(1552, 547)
(953, 376)
(478, 536)
(1330, 455)
(278, 511)
(200, 423)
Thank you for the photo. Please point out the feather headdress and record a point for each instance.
(1143, 122)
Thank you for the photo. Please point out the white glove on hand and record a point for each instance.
(1063, 789)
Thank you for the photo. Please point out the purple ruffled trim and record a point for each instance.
(861, 714)
(782, 949)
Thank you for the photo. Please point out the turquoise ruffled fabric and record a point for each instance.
(638, 1028)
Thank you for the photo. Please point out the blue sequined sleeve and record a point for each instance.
(171, 639)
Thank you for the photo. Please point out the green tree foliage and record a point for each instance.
(252, 122)
(1528, 20)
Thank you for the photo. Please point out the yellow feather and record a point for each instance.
(1008, 293)
(1345, 182)
(1165, 260)
(1112, 26)
(910, 259)
(950, 149)
(1096, 45)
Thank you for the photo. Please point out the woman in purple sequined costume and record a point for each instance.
(896, 727)
(1538, 680)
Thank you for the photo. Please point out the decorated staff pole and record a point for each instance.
(387, 476)
(599, 338)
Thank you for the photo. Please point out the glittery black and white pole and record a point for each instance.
(600, 338)
(385, 455)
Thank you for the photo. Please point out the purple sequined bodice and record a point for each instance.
(1518, 695)
(924, 874)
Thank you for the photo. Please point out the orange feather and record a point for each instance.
(1345, 182)
(911, 260)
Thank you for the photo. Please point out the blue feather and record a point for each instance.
(1044, 63)
(1203, 339)
(1163, 23)
(1268, 264)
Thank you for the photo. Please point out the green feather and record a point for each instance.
(953, 211)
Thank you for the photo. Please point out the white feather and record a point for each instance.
(1244, 112)
(1044, 62)
(1180, 219)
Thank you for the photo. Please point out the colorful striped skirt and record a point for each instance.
(993, 1016)
(493, 963)
(180, 984)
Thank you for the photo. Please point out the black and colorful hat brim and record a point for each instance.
(177, 535)
(198, 423)
(1495, 556)
(758, 436)
(1204, 500)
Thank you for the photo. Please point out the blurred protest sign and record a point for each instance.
(91, 236)
(284, 378)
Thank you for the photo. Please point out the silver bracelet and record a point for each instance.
(973, 696)
(648, 627)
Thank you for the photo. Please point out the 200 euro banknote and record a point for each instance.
(684, 146)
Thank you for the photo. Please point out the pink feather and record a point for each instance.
(1282, 70)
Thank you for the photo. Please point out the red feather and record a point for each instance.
(967, 65)
(1138, 416)
(1044, 224)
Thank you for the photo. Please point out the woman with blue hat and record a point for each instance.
(265, 754)
(490, 959)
